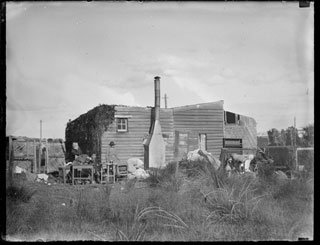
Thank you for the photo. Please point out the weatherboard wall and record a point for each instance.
(130, 144)
(245, 130)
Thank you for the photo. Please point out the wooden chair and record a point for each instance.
(108, 173)
(122, 171)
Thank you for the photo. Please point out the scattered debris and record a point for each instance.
(240, 162)
(141, 174)
(134, 164)
(136, 169)
(82, 159)
(200, 155)
(19, 170)
(43, 177)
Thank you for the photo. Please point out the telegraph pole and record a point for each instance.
(294, 142)
(294, 127)
(40, 146)
(165, 100)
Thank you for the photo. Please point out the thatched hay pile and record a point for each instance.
(88, 128)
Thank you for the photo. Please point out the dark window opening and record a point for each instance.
(230, 117)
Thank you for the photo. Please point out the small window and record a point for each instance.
(122, 124)
(232, 143)
(231, 117)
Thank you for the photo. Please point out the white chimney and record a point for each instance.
(155, 145)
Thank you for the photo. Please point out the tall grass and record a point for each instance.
(203, 205)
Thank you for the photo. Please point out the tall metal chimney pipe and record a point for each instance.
(157, 98)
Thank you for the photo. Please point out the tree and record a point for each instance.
(285, 137)
(275, 138)
(308, 136)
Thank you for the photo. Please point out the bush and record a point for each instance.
(19, 193)
(265, 169)
(165, 177)
(282, 155)
(235, 201)
(192, 168)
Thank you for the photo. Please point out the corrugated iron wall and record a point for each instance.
(202, 118)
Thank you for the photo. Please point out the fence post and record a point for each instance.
(47, 156)
(296, 155)
(177, 169)
(11, 161)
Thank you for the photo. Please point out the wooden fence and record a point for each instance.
(35, 157)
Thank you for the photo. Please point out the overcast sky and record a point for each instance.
(65, 58)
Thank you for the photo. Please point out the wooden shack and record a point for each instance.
(206, 126)
(157, 135)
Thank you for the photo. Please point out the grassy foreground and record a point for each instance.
(189, 207)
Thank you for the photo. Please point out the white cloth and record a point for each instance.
(247, 165)
(19, 170)
(134, 164)
(141, 174)
(43, 176)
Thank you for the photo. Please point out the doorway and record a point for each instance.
(203, 142)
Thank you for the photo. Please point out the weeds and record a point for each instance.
(19, 193)
(232, 202)
(240, 207)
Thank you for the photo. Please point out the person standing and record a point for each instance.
(75, 152)
(112, 156)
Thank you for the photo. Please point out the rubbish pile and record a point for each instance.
(136, 169)
(201, 155)
(44, 178)
(242, 163)
(82, 159)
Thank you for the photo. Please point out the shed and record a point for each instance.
(206, 126)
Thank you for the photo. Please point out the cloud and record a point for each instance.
(256, 57)
(76, 97)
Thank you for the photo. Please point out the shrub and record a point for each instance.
(234, 201)
(192, 168)
(19, 193)
(148, 218)
(165, 178)
(265, 169)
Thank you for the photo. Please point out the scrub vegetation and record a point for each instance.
(168, 206)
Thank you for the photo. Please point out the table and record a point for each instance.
(80, 168)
